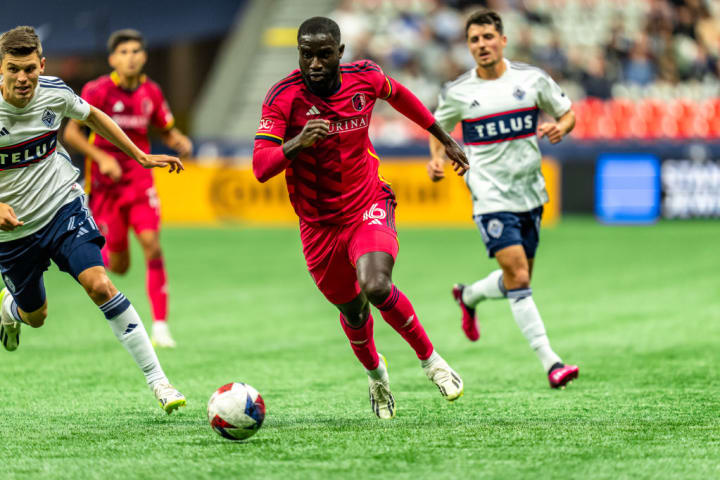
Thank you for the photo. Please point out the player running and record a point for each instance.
(42, 214)
(314, 127)
(498, 104)
(122, 193)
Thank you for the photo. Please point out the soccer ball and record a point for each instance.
(236, 411)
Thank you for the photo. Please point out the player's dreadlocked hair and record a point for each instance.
(20, 41)
(122, 36)
(316, 25)
(485, 17)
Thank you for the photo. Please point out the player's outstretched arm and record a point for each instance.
(104, 126)
(451, 149)
(269, 159)
(405, 102)
(75, 137)
(8, 219)
(555, 131)
(436, 165)
(175, 139)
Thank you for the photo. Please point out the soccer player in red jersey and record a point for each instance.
(122, 194)
(314, 127)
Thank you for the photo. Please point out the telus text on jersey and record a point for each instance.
(28, 152)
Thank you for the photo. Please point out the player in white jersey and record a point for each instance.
(498, 104)
(42, 212)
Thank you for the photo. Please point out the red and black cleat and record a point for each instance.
(560, 375)
(469, 320)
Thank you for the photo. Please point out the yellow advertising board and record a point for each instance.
(214, 194)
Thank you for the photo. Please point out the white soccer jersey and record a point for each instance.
(499, 124)
(36, 174)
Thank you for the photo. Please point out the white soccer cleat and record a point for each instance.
(161, 337)
(169, 397)
(381, 400)
(445, 378)
(9, 327)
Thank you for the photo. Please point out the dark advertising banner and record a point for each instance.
(688, 178)
(691, 189)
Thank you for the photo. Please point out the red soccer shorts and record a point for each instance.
(332, 251)
(116, 210)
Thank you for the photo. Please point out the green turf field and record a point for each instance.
(637, 308)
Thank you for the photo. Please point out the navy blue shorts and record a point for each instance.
(503, 229)
(71, 240)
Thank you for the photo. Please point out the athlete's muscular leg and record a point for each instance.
(515, 266)
(356, 311)
(374, 271)
(35, 319)
(150, 243)
(119, 262)
(516, 269)
(97, 285)
(356, 320)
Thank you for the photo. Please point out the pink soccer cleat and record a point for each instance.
(560, 375)
(469, 320)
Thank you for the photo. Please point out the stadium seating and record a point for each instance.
(561, 36)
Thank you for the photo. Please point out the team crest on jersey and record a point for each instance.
(519, 93)
(265, 124)
(359, 101)
(118, 107)
(374, 214)
(495, 228)
(48, 117)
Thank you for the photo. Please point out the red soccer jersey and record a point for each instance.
(336, 179)
(133, 111)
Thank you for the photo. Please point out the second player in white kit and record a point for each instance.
(499, 104)
(42, 214)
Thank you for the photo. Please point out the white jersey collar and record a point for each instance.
(479, 78)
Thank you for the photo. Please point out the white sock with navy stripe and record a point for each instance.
(129, 329)
(489, 287)
(531, 325)
(10, 308)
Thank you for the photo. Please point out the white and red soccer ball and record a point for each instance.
(236, 411)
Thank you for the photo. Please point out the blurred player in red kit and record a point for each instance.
(122, 194)
(314, 127)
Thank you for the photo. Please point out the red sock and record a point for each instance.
(400, 314)
(362, 342)
(156, 282)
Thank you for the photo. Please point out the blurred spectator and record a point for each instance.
(595, 80)
(523, 47)
(702, 65)
(684, 22)
(553, 58)
(638, 68)
(596, 48)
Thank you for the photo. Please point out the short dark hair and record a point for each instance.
(484, 17)
(122, 36)
(316, 25)
(20, 41)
